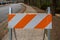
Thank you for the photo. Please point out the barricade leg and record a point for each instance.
(15, 34)
(10, 33)
(48, 34)
(44, 35)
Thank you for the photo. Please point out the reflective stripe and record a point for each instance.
(10, 16)
(24, 21)
(15, 20)
(30, 21)
(49, 26)
(35, 21)
(44, 22)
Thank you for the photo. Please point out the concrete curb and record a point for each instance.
(23, 9)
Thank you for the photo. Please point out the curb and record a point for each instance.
(23, 9)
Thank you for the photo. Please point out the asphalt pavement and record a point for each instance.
(5, 10)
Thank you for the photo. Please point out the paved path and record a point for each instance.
(29, 9)
(28, 34)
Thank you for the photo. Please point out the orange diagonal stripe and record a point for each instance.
(10, 16)
(24, 21)
(44, 22)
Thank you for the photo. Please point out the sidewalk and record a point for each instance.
(28, 34)
(29, 9)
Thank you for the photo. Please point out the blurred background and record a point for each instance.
(37, 5)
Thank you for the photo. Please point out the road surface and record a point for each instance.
(5, 10)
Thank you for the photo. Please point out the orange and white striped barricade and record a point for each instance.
(30, 21)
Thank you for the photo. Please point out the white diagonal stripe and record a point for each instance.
(49, 26)
(15, 20)
(35, 21)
